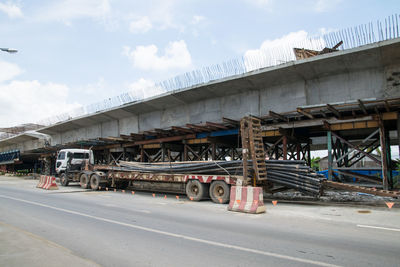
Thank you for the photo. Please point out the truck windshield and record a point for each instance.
(81, 156)
(61, 155)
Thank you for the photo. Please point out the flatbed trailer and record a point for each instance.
(196, 186)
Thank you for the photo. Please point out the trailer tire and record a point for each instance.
(64, 179)
(195, 190)
(84, 181)
(95, 182)
(219, 192)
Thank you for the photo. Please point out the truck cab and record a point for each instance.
(72, 158)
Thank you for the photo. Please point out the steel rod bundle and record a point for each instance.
(294, 174)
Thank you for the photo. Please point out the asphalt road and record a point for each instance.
(117, 229)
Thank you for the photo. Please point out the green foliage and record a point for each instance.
(315, 163)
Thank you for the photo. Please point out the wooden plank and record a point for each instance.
(361, 189)
(305, 113)
(216, 125)
(362, 107)
(230, 121)
(335, 112)
(182, 129)
(198, 128)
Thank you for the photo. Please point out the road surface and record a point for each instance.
(107, 228)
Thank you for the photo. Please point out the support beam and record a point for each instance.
(329, 142)
(182, 129)
(398, 131)
(284, 147)
(305, 113)
(335, 112)
(278, 116)
(216, 125)
(161, 140)
(355, 148)
(387, 105)
(230, 121)
(198, 128)
(362, 107)
(385, 179)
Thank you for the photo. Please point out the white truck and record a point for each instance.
(77, 165)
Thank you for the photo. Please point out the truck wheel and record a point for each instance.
(95, 182)
(64, 180)
(219, 192)
(84, 180)
(195, 190)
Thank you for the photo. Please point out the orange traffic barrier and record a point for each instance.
(47, 182)
(246, 199)
(389, 204)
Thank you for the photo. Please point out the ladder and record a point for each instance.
(253, 149)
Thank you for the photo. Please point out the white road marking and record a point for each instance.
(204, 241)
(378, 227)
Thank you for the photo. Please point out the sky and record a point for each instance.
(72, 53)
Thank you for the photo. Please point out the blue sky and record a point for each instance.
(72, 53)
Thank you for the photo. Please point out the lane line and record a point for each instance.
(378, 227)
(185, 237)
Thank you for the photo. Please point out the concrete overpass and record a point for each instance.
(366, 72)
(361, 86)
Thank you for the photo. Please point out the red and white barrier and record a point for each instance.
(246, 199)
(42, 181)
(47, 182)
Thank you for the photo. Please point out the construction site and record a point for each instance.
(346, 102)
(317, 131)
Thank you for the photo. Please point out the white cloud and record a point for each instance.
(280, 50)
(260, 3)
(325, 5)
(31, 101)
(8, 71)
(176, 55)
(143, 88)
(141, 25)
(324, 31)
(12, 10)
(197, 19)
(68, 10)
